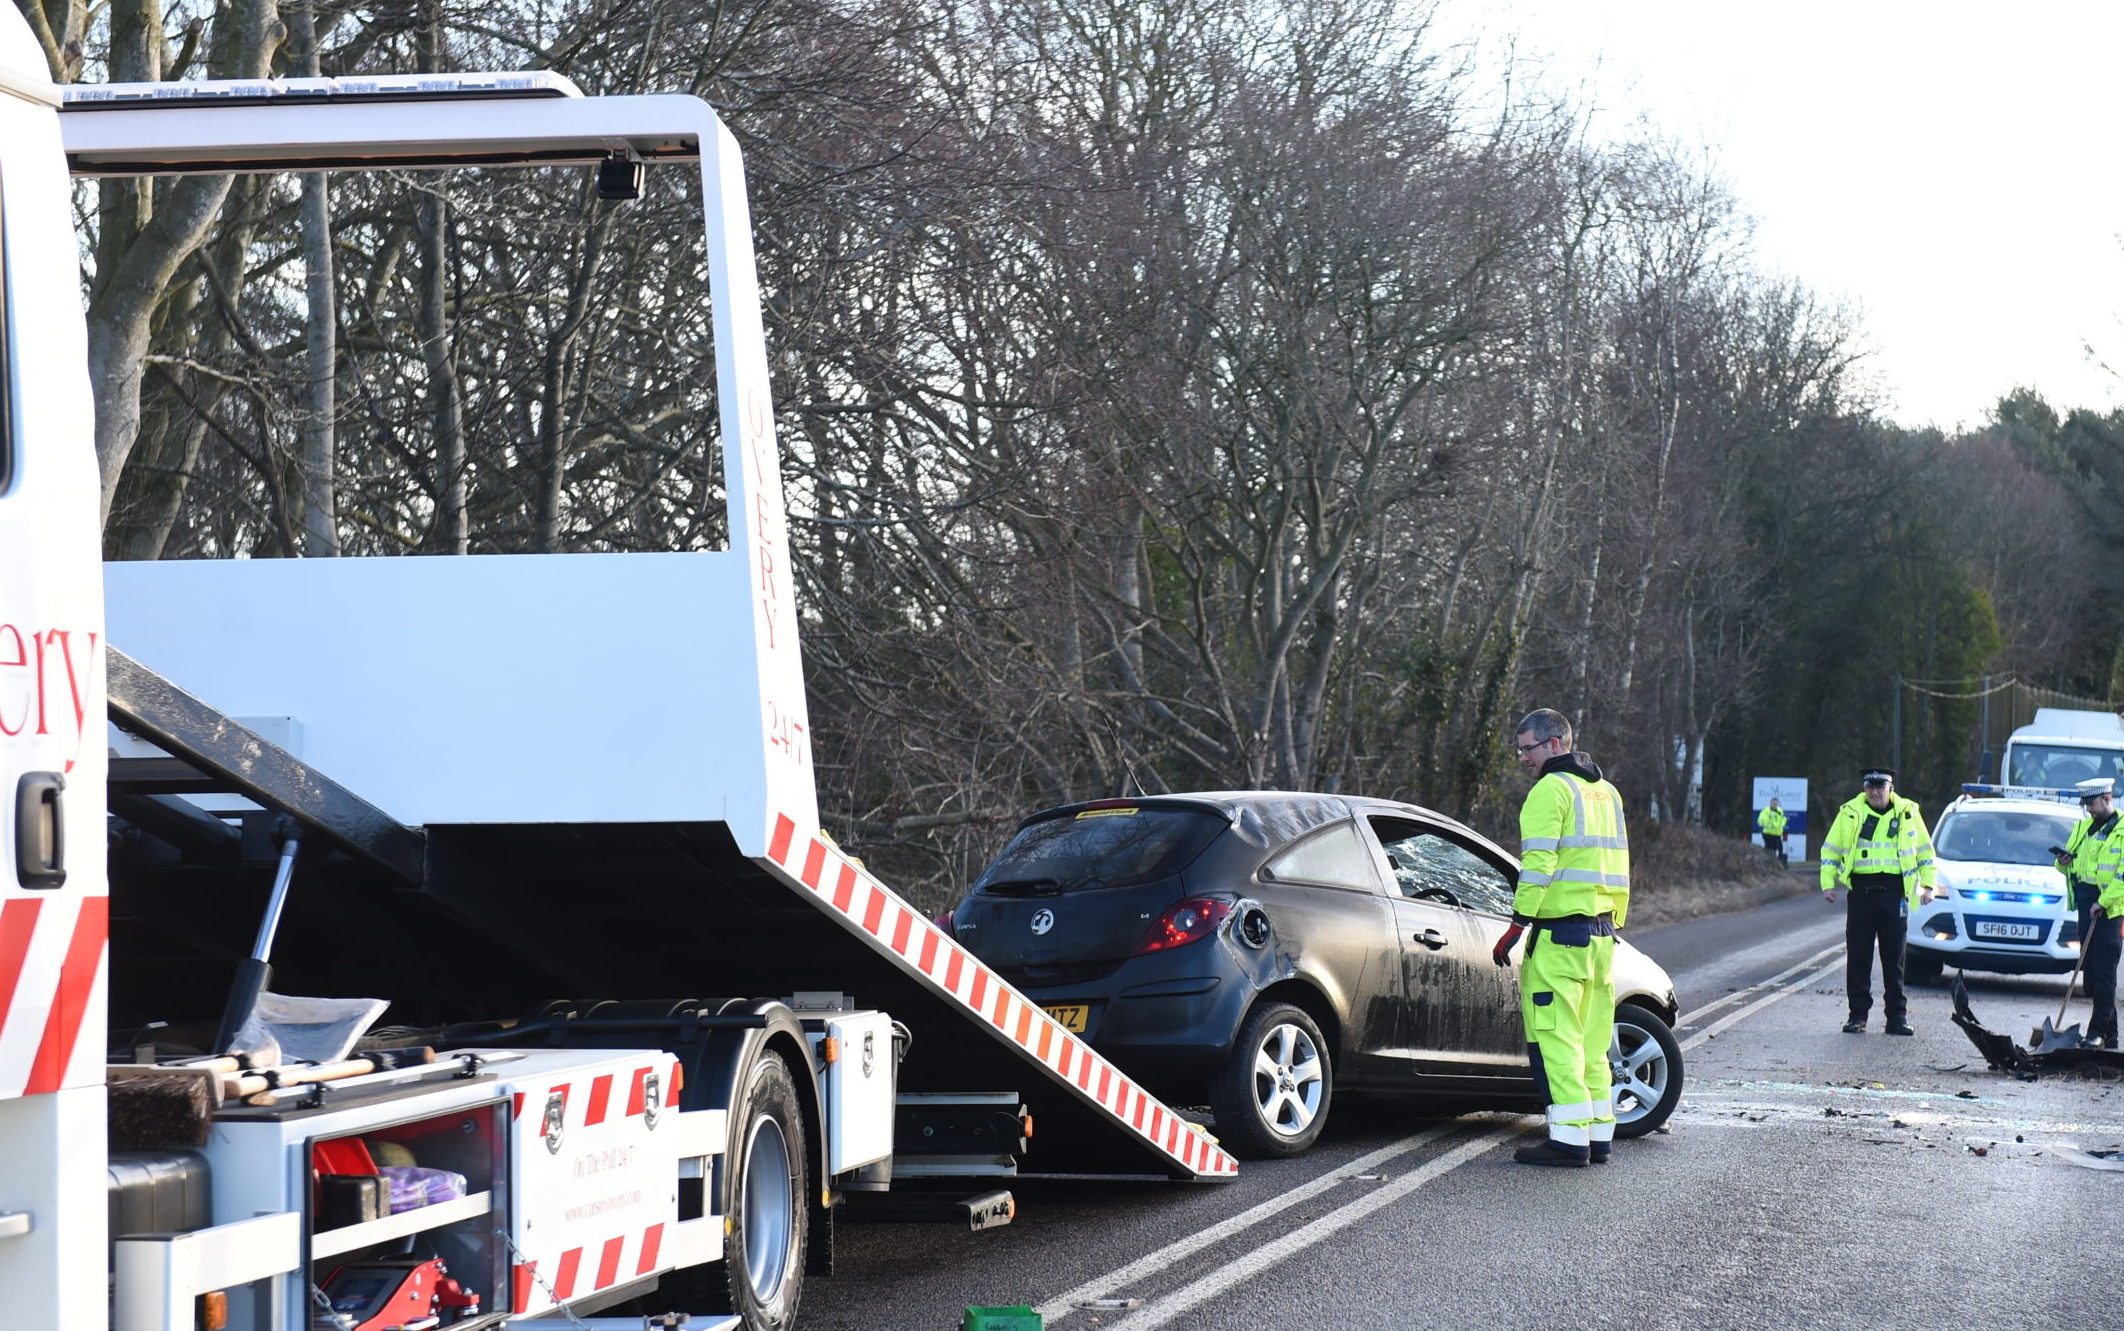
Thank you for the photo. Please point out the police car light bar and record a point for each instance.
(358, 88)
(2065, 795)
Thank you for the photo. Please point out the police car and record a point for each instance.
(2000, 900)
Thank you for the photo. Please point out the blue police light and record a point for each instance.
(1981, 896)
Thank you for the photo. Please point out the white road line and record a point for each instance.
(1742, 995)
(1759, 1004)
(1245, 1267)
(1163, 1310)
(1116, 1282)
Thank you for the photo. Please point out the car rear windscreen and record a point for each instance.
(1099, 848)
(1999, 836)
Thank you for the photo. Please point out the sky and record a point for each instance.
(1947, 172)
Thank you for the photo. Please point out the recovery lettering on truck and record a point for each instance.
(337, 770)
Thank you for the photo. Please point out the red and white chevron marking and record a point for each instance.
(597, 1225)
(873, 907)
(51, 980)
(586, 1269)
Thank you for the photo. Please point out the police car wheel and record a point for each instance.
(1646, 1061)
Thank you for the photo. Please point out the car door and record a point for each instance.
(1333, 927)
(1459, 1011)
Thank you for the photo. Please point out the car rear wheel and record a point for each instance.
(1646, 1061)
(1272, 1097)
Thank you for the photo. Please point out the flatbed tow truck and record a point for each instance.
(650, 1028)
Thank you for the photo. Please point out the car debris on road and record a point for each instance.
(2004, 1055)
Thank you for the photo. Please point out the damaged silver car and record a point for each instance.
(1261, 952)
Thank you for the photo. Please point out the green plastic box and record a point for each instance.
(1020, 1318)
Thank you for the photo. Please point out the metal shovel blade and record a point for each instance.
(2049, 1039)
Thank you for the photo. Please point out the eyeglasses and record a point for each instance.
(1525, 749)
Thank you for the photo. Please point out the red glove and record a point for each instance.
(1502, 953)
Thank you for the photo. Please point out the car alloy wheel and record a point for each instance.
(1646, 1063)
(1273, 1095)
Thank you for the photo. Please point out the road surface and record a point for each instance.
(1810, 1179)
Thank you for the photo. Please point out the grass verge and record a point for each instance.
(1683, 873)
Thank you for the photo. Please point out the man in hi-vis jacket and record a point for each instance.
(1574, 889)
(1879, 850)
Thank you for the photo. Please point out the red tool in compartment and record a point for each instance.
(384, 1295)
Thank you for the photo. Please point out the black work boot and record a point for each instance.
(1900, 1028)
(1599, 1152)
(1548, 1152)
(1855, 1026)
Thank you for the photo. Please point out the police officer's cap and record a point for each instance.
(2094, 787)
(1874, 776)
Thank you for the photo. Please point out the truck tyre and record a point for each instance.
(1647, 1063)
(1271, 1098)
(769, 1201)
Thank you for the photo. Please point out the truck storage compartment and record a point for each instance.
(159, 1192)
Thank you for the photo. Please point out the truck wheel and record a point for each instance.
(770, 1205)
(767, 1210)
(1271, 1098)
(1646, 1062)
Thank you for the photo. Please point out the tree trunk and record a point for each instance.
(320, 451)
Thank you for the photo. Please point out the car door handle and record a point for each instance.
(1431, 939)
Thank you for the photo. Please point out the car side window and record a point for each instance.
(1335, 855)
(1424, 860)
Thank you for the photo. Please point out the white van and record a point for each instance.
(2062, 748)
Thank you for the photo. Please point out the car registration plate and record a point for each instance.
(2020, 933)
(1073, 1016)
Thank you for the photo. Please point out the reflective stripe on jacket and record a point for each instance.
(2103, 868)
(1574, 851)
(2087, 845)
(1891, 841)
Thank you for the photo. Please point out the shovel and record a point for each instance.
(2047, 1038)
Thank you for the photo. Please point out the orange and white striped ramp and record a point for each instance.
(1125, 1112)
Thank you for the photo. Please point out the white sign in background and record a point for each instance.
(1791, 794)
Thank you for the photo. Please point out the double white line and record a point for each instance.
(1235, 1270)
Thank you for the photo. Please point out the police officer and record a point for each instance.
(1771, 823)
(2091, 863)
(1878, 848)
(1573, 891)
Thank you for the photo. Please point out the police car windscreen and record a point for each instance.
(1997, 836)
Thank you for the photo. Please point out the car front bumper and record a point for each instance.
(1970, 934)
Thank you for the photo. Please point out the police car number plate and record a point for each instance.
(1073, 1016)
(2020, 933)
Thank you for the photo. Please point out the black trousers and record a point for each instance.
(1775, 844)
(2101, 944)
(1873, 922)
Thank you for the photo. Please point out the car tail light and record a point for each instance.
(1191, 921)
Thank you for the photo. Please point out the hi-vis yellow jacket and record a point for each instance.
(1574, 855)
(1892, 841)
(2098, 861)
(1770, 821)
